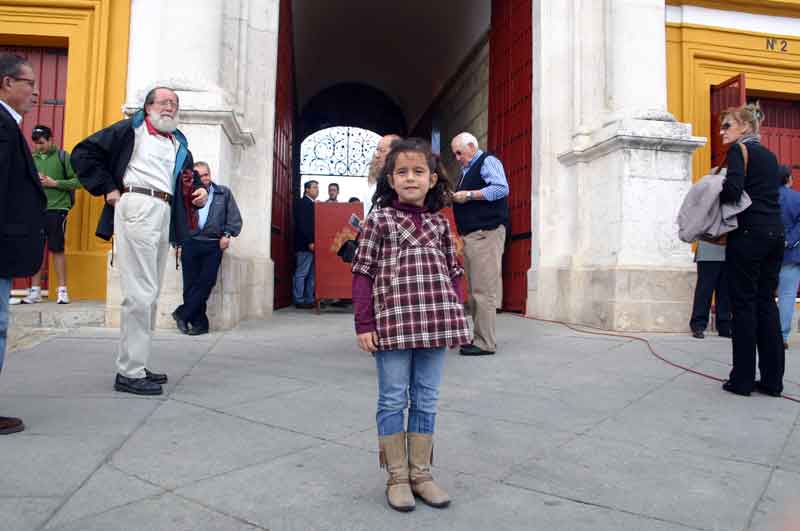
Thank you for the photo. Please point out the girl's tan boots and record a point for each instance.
(393, 459)
(420, 458)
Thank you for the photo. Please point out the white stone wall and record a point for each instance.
(464, 106)
(610, 169)
(221, 58)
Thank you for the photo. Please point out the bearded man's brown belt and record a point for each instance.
(148, 191)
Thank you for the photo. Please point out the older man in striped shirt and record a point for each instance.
(481, 212)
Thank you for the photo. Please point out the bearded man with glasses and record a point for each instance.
(144, 169)
(22, 199)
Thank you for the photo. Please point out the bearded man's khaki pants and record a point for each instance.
(141, 246)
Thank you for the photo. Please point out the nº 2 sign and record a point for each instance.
(778, 45)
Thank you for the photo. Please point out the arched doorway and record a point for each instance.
(341, 156)
(336, 72)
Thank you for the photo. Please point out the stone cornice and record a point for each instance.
(225, 118)
(228, 119)
(634, 134)
(782, 8)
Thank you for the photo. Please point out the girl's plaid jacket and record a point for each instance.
(412, 270)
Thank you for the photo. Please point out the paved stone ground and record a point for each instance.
(271, 426)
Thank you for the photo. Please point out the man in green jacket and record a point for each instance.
(59, 182)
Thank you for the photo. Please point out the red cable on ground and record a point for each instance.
(600, 332)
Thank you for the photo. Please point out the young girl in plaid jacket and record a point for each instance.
(408, 310)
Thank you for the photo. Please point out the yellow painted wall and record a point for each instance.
(96, 34)
(699, 57)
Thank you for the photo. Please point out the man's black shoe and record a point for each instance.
(728, 386)
(698, 334)
(725, 333)
(472, 350)
(180, 323)
(155, 377)
(764, 390)
(9, 425)
(137, 386)
(198, 331)
(303, 305)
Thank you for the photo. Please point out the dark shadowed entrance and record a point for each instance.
(383, 66)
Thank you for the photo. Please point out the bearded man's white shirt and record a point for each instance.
(152, 162)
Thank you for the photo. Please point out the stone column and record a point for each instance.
(636, 58)
(627, 168)
(214, 54)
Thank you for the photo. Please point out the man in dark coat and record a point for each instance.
(22, 199)
(143, 168)
(201, 254)
(303, 282)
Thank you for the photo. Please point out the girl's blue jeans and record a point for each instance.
(408, 379)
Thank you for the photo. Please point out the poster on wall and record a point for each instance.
(332, 227)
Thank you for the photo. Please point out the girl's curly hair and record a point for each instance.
(437, 198)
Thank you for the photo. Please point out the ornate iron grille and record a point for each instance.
(338, 151)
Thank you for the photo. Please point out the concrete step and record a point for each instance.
(51, 315)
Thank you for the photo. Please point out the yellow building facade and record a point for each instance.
(95, 34)
(700, 56)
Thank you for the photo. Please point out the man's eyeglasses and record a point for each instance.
(167, 103)
(726, 126)
(202, 175)
(30, 82)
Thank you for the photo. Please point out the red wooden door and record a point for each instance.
(281, 241)
(510, 122)
(729, 93)
(780, 132)
(50, 69)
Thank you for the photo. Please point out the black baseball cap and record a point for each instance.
(40, 131)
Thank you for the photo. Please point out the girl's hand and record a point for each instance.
(368, 341)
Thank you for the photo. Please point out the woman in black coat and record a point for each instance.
(753, 256)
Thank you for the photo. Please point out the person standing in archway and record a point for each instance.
(375, 167)
(333, 193)
(303, 280)
(480, 206)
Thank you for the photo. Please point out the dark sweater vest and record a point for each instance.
(479, 214)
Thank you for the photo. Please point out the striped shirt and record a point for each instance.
(493, 173)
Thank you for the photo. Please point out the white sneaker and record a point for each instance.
(34, 296)
(63, 298)
(14, 301)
